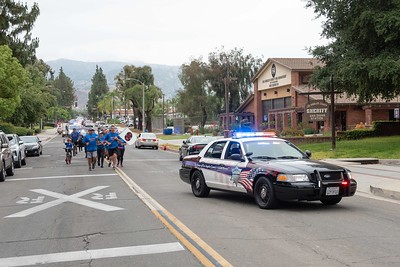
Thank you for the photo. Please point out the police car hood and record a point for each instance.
(297, 165)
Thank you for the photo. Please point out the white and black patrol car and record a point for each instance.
(269, 168)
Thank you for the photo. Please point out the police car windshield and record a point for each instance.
(272, 149)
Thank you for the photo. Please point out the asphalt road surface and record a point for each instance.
(144, 215)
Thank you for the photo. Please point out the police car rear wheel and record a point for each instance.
(199, 187)
(264, 194)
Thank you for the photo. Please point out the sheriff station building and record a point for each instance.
(280, 100)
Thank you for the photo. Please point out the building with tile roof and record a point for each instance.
(280, 100)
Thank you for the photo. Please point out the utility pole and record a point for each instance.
(163, 119)
(333, 124)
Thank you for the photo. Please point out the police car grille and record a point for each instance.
(328, 176)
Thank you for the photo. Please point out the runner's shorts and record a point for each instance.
(91, 154)
(112, 151)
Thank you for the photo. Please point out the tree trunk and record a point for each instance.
(148, 122)
(203, 117)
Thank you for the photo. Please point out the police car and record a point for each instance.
(269, 168)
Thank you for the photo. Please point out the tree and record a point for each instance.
(193, 78)
(363, 53)
(98, 89)
(66, 96)
(130, 82)
(16, 23)
(35, 96)
(13, 80)
(234, 64)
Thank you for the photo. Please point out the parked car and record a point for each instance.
(33, 145)
(6, 158)
(268, 168)
(194, 144)
(147, 140)
(18, 150)
(59, 129)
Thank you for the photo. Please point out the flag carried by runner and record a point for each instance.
(128, 136)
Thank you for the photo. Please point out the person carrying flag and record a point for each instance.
(113, 140)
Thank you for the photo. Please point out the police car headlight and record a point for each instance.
(35, 147)
(292, 178)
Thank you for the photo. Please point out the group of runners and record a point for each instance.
(98, 146)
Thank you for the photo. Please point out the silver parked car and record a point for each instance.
(146, 140)
(18, 150)
(6, 160)
(33, 145)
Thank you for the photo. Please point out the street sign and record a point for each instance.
(317, 110)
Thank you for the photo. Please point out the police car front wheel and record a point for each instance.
(264, 193)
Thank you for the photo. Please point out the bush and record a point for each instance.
(290, 132)
(29, 132)
(7, 128)
(21, 131)
(37, 131)
(310, 131)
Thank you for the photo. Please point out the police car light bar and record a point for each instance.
(253, 134)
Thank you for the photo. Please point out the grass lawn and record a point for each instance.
(377, 147)
(173, 136)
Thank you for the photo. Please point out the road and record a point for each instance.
(144, 215)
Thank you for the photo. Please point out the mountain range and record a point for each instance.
(81, 73)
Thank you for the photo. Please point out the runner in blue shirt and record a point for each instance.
(113, 140)
(100, 149)
(91, 148)
(75, 137)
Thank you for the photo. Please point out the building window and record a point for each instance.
(266, 106)
(288, 102)
(278, 103)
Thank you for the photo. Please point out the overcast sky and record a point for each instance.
(172, 32)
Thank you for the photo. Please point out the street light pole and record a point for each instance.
(226, 81)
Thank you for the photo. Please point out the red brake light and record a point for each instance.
(345, 183)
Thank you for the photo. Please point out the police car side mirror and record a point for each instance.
(184, 142)
(248, 155)
(236, 157)
(308, 153)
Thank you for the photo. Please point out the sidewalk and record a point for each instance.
(387, 185)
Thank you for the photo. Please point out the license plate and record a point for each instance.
(332, 191)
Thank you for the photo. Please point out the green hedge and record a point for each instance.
(7, 128)
(21, 131)
(29, 132)
(290, 132)
(359, 134)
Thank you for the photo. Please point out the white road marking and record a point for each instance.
(61, 177)
(91, 254)
(27, 200)
(61, 198)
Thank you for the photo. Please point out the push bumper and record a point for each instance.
(313, 191)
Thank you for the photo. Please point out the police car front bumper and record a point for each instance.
(311, 191)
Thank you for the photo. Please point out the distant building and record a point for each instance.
(278, 103)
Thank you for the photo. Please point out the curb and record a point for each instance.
(380, 192)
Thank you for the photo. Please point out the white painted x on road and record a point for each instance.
(61, 198)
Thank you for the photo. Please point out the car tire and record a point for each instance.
(180, 157)
(18, 163)
(2, 173)
(199, 187)
(10, 170)
(23, 161)
(264, 193)
(156, 147)
(41, 151)
(331, 200)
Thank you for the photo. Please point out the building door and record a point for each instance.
(343, 120)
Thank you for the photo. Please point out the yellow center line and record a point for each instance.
(200, 249)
